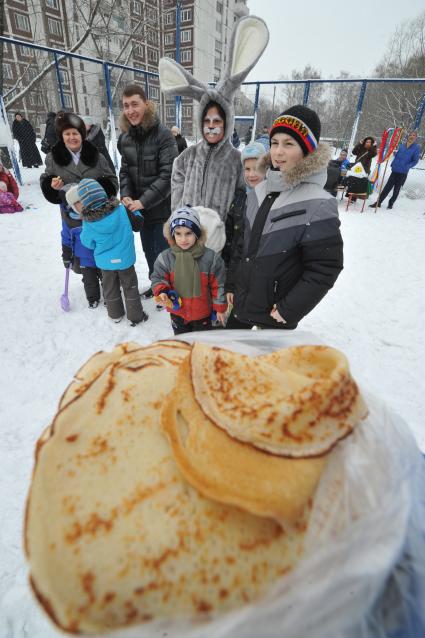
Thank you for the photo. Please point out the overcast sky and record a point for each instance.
(332, 35)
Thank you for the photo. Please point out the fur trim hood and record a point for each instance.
(311, 164)
(62, 157)
(150, 119)
(94, 214)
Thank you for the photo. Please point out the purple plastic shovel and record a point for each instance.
(64, 297)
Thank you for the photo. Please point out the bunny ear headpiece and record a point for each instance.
(249, 39)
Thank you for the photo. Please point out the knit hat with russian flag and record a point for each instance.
(302, 124)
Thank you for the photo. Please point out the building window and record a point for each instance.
(138, 50)
(151, 15)
(67, 99)
(152, 36)
(52, 4)
(7, 71)
(186, 35)
(22, 22)
(186, 15)
(187, 111)
(36, 99)
(170, 112)
(152, 55)
(169, 17)
(136, 8)
(168, 39)
(119, 21)
(64, 76)
(153, 93)
(219, 7)
(26, 52)
(54, 26)
(170, 54)
(186, 55)
(218, 46)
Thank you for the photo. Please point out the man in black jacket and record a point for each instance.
(148, 151)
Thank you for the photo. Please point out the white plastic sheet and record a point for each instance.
(362, 574)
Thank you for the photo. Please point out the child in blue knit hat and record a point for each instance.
(194, 273)
(108, 232)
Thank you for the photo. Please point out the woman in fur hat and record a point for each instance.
(291, 252)
(72, 159)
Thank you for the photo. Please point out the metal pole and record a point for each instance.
(256, 102)
(111, 113)
(274, 95)
(357, 119)
(306, 93)
(419, 113)
(58, 77)
(178, 97)
(10, 144)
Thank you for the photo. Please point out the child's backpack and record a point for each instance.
(8, 203)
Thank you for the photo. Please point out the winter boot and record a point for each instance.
(144, 318)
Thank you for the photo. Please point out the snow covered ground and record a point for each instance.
(374, 314)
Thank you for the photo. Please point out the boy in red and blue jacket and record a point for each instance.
(194, 273)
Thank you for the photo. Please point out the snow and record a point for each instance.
(372, 314)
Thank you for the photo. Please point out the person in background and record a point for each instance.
(180, 140)
(70, 160)
(291, 251)
(148, 150)
(7, 178)
(96, 136)
(191, 270)
(264, 138)
(50, 135)
(23, 131)
(8, 202)
(107, 231)
(365, 151)
(407, 157)
(248, 135)
(253, 175)
(235, 139)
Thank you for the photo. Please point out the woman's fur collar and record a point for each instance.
(94, 214)
(150, 118)
(62, 157)
(310, 164)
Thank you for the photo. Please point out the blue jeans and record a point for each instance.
(153, 243)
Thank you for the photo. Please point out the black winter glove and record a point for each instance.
(67, 256)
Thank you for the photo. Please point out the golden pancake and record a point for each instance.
(280, 410)
(228, 471)
(124, 354)
(115, 535)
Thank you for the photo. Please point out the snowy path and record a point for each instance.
(374, 314)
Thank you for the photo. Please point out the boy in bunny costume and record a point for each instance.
(210, 172)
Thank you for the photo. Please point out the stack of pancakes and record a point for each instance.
(177, 480)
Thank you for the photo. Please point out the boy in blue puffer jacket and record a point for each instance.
(108, 232)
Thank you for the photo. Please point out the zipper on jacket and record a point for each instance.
(210, 150)
(286, 215)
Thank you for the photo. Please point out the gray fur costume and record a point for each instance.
(210, 174)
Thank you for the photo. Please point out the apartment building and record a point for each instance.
(136, 33)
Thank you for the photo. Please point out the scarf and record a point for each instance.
(187, 278)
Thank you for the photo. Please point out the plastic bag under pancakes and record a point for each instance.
(229, 471)
(114, 534)
(304, 415)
